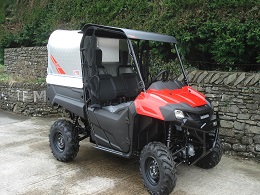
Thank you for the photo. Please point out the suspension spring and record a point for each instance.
(169, 137)
(75, 120)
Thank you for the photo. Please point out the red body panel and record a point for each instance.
(149, 103)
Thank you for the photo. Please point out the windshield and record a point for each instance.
(153, 57)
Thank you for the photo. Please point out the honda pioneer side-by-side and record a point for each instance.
(101, 76)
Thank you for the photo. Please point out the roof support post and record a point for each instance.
(182, 68)
(132, 53)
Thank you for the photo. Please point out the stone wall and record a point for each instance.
(236, 97)
(27, 99)
(28, 63)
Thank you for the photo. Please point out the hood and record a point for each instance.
(184, 95)
(151, 102)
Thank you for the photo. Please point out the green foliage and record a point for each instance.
(3, 75)
(226, 32)
(172, 66)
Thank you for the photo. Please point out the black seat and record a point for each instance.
(106, 84)
(102, 70)
(102, 86)
(100, 67)
(131, 80)
(98, 57)
(120, 86)
(124, 67)
(107, 89)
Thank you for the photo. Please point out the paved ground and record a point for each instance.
(28, 167)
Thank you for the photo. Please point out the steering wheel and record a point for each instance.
(164, 74)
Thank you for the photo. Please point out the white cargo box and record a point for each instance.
(64, 60)
(64, 63)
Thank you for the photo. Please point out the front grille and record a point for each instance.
(200, 118)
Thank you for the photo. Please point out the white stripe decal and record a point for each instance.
(159, 98)
(66, 81)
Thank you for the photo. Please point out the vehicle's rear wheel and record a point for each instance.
(157, 168)
(64, 141)
(212, 159)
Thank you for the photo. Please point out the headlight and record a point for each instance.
(179, 114)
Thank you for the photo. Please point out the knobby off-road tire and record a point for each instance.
(157, 168)
(64, 140)
(212, 159)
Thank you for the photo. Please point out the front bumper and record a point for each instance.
(208, 126)
(211, 127)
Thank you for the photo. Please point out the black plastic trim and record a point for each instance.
(67, 97)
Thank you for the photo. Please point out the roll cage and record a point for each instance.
(93, 31)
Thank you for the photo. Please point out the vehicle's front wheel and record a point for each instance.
(213, 158)
(157, 168)
(64, 141)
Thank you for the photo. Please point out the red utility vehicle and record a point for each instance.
(101, 76)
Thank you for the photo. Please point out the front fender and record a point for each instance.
(149, 105)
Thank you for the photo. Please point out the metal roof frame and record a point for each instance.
(114, 32)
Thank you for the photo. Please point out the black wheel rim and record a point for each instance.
(152, 170)
(59, 142)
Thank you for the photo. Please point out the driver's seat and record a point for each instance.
(131, 80)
